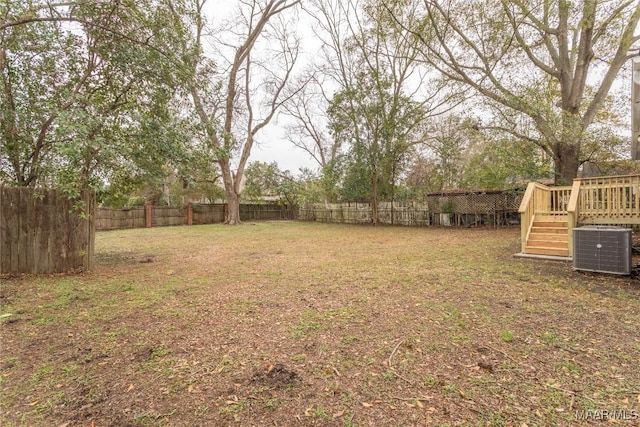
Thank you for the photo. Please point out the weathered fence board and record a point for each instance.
(162, 216)
(42, 231)
(257, 211)
(477, 209)
(116, 219)
(208, 214)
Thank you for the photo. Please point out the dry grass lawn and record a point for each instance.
(306, 324)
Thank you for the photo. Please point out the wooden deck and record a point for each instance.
(549, 214)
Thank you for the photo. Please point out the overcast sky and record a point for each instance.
(275, 147)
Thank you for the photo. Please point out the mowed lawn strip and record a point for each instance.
(292, 323)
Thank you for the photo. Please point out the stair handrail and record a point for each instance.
(531, 202)
(573, 211)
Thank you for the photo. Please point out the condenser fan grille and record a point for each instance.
(602, 249)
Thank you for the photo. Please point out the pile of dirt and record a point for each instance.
(276, 376)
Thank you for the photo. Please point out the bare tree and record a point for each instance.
(234, 104)
(309, 129)
(384, 93)
(552, 62)
(309, 109)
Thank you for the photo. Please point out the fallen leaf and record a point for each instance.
(367, 405)
(639, 398)
(338, 414)
(308, 413)
(190, 389)
(420, 404)
(130, 388)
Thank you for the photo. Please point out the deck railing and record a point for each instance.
(559, 199)
(601, 200)
(573, 212)
(541, 199)
(609, 200)
(535, 199)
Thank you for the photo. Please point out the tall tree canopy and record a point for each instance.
(546, 65)
(86, 92)
(237, 86)
(383, 91)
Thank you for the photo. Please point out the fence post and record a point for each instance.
(189, 213)
(147, 214)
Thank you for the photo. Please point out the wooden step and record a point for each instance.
(549, 217)
(535, 250)
(549, 235)
(549, 230)
(556, 237)
(532, 242)
(551, 224)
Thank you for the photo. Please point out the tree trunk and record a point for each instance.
(374, 199)
(566, 158)
(232, 192)
(233, 211)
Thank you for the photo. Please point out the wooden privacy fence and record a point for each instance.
(116, 219)
(42, 231)
(192, 214)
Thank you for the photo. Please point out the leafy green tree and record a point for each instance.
(312, 187)
(384, 93)
(266, 180)
(262, 180)
(377, 127)
(450, 140)
(545, 65)
(86, 95)
(504, 163)
(459, 153)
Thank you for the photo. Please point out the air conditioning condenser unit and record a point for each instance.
(602, 249)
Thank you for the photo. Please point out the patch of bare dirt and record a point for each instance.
(277, 376)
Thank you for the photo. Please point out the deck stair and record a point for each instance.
(549, 235)
(549, 214)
